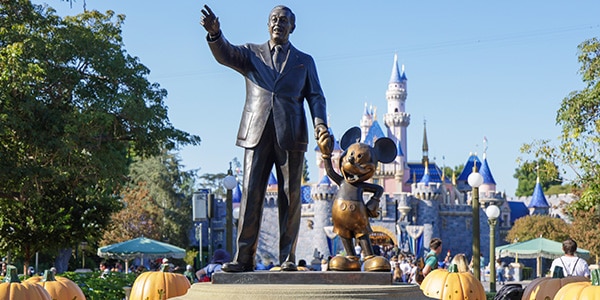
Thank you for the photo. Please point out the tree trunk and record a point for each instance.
(61, 263)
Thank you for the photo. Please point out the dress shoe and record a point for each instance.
(289, 266)
(236, 267)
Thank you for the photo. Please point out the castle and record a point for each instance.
(419, 201)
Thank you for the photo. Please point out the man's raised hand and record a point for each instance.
(210, 21)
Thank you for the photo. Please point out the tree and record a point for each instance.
(585, 230)
(75, 108)
(449, 172)
(305, 172)
(140, 217)
(579, 117)
(528, 172)
(532, 227)
(157, 201)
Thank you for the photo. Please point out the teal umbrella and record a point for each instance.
(140, 247)
(537, 248)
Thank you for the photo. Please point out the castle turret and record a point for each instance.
(397, 120)
(426, 189)
(366, 121)
(538, 204)
(322, 195)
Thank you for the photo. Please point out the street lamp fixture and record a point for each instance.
(492, 213)
(475, 180)
(229, 182)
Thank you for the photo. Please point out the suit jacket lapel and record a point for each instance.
(265, 55)
(291, 61)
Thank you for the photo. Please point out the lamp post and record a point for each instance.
(229, 182)
(492, 213)
(83, 245)
(475, 180)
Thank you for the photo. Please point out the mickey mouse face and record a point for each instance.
(358, 163)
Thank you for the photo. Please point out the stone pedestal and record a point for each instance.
(302, 285)
(515, 270)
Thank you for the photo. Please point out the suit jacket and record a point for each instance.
(268, 91)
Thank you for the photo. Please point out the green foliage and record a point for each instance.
(579, 118)
(305, 173)
(528, 173)
(559, 189)
(158, 200)
(531, 227)
(213, 183)
(585, 230)
(449, 172)
(74, 108)
(96, 288)
(191, 256)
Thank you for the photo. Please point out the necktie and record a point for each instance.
(278, 58)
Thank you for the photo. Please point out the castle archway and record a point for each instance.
(382, 236)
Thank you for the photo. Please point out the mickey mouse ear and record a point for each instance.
(386, 150)
(351, 136)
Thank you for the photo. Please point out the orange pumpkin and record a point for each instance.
(159, 285)
(451, 284)
(13, 289)
(59, 288)
(546, 287)
(583, 290)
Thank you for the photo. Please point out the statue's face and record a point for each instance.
(280, 26)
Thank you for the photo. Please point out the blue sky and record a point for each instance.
(495, 69)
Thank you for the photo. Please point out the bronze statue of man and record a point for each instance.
(273, 128)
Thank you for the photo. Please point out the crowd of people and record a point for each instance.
(405, 267)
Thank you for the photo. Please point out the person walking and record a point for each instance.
(431, 260)
(499, 271)
(273, 128)
(570, 263)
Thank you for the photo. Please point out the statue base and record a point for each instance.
(303, 285)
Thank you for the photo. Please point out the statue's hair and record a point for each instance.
(283, 7)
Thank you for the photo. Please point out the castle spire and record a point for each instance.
(396, 77)
(425, 144)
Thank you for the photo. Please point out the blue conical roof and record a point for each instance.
(395, 77)
(237, 194)
(399, 147)
(375, 132)
(486, 173)
(425, 179)
(325, 180)
(272, 179)
(538, 200)
(468, 169)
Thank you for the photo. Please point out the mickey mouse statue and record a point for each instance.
(350, 214)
